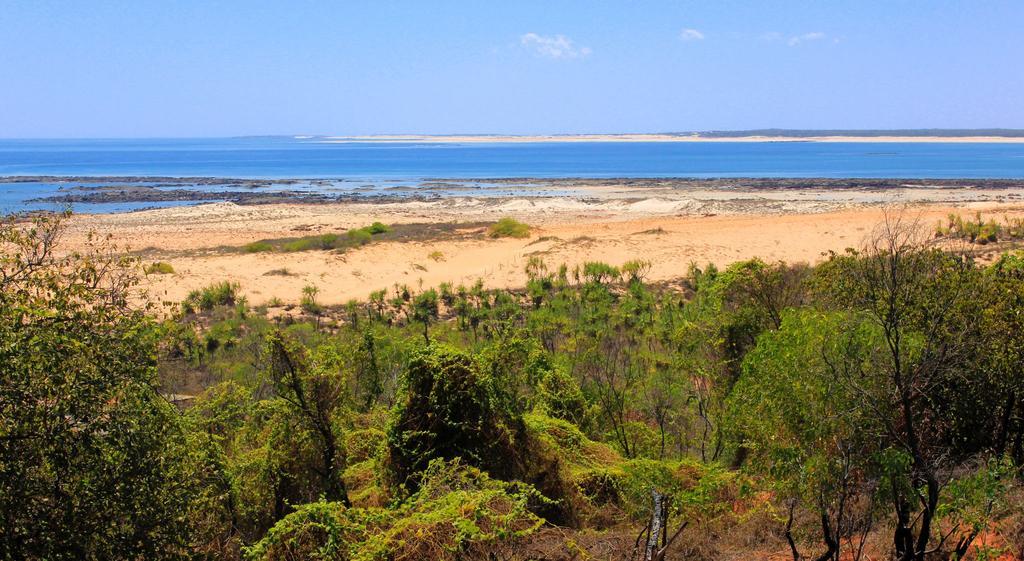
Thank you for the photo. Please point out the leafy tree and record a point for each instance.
(311, 383)
(90, 454)
(798, 424)
(920, 299)
(425, 310)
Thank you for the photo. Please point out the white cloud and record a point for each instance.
(691, 35)
(770, 36)
(812, 36)
(553, 46)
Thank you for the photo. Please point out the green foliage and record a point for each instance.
(973, 501)
(599, 273)
(980, 231)
(561, 397)
(218, 294)
(159, 268)
(569, 443)
(358, 237)
(793, 415)
(509, 228)
(458, 513)
(447, 411)
(320, 242)
(308, 302)
(315, 531)
(772, 385)
(91, 457)
(377, 228)
(425, 310)
(258, 247)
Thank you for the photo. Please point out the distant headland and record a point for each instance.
(752, 135)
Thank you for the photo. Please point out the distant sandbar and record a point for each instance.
(665, 138)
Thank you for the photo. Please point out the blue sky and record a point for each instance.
(220, 68)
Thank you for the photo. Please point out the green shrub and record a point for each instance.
(978, 230)
(447, 411)
(459, 513)
(598, 272)
(509, 228)
(320, 530)
(359, 237)
(352, 238)
(301, 244)
(309, 302)
(570, 444)
(258, 247)
(377, 228)
(219, 294)
(159, 268)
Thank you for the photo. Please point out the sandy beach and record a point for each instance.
(669, 228)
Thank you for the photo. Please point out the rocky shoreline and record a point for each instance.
(137, 189)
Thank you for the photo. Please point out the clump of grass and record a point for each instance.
(543, 239)
(218, 294)
(258, 247)
(159, 268)
(274, 302)
(437, 256)
(654, 231)
(509, 228)
(283, 272)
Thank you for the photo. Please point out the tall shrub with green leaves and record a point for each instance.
(90, 454)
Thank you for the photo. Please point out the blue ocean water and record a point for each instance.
(370, 162)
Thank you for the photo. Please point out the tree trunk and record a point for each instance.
(831, 540)
(657, 525)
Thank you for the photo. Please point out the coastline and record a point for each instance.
(605, 221)
(510, 139)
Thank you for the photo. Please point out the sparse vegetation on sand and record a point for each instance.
(509, 228)
(329, 241)
(979, 230)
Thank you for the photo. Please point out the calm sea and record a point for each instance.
(369, 162)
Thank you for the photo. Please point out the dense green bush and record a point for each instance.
(458, 513)
(447, 411)
(93, 462)
(509, 228)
